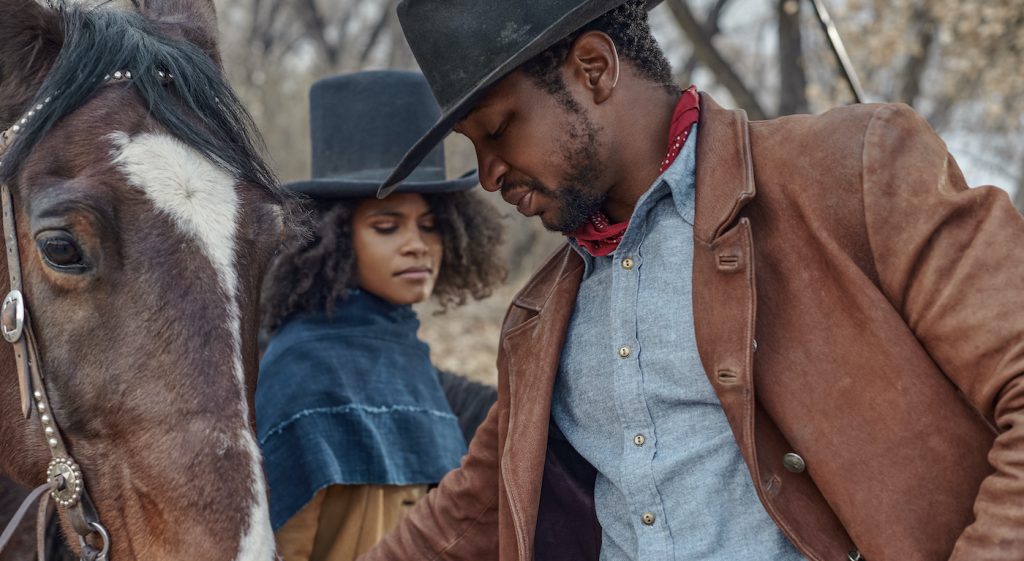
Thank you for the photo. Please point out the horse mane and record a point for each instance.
(197, 106)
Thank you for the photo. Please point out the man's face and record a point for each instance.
(542, 155)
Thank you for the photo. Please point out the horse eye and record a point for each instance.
(62, 253)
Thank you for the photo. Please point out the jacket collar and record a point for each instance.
(725, 170)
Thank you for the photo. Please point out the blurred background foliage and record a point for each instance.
(957, 62)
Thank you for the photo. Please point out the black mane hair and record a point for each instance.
(99, 42)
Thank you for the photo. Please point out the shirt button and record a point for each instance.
(639, 440)
(647, 519)
(624, 352)
(627, 263)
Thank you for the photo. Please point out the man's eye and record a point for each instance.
(499, 132)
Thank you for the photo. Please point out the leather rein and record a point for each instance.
(64, 481)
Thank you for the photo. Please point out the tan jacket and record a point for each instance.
(887, 304)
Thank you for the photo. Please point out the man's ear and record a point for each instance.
(594, 63)
(30, 40)
(194, 21)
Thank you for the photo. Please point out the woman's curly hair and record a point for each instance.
(316, 266)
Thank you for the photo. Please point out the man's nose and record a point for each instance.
(492, 170)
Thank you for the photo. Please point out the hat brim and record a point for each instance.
(573, 20)
(341, 189)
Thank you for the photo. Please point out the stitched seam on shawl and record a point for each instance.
(377, 410)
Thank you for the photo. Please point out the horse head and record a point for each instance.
(144, 217)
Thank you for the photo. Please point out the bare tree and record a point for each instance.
(793, 79)
(709, 55)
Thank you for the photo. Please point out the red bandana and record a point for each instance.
(600, 237)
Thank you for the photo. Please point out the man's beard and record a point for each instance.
(576, 198)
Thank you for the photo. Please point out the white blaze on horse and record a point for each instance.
(141, 218)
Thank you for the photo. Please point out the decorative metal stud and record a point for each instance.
(15, 128)
(48, 431)
(41, 407)
(128, 75)
(52, 442)
(118, 75)
(66, 477)
(44, 419)
(38, 394)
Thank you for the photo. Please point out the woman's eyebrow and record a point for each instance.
(386, 212)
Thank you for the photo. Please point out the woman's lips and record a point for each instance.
(415, 273)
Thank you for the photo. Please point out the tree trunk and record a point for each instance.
(792, 78)
(709, 56)
(918, 61)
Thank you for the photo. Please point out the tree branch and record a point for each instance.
(710, 57)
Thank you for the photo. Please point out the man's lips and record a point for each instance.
(522, 200)
(415, 273)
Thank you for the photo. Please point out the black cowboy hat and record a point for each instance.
(360, 125)
(466, 46)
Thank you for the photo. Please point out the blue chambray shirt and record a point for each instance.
(633, 399)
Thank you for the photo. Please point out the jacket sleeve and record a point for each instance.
(457, 521)
(951, 260)
(469, 400)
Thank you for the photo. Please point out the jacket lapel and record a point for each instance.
(724, 296)
(532, 350)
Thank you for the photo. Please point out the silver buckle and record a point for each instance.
(12, 316)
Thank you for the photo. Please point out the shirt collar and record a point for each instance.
(677, 181)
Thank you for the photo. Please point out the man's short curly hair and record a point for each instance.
(629, 29)
(316, 266)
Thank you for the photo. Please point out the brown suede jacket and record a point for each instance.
(854, 302)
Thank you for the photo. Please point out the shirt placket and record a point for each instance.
(638, 430)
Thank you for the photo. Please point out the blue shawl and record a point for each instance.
(351, 400)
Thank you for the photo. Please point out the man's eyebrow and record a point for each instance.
(476, 108)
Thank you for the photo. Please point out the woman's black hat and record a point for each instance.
(465, 46)
(360, 126)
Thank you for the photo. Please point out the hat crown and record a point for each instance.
(362, 124)
(457, 43)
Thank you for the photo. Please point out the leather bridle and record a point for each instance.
(64, 479)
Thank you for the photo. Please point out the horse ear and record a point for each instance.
(192, 20)
(31, 40)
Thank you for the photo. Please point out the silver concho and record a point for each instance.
(12, 316)
(69, 491)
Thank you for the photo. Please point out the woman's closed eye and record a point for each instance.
(429, 226)
(385, 228)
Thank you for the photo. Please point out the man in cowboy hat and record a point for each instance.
(772, 340)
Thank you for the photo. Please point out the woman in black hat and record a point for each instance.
(351, 417)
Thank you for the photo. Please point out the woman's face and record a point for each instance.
(398, 248)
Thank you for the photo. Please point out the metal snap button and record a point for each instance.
(794, 463)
